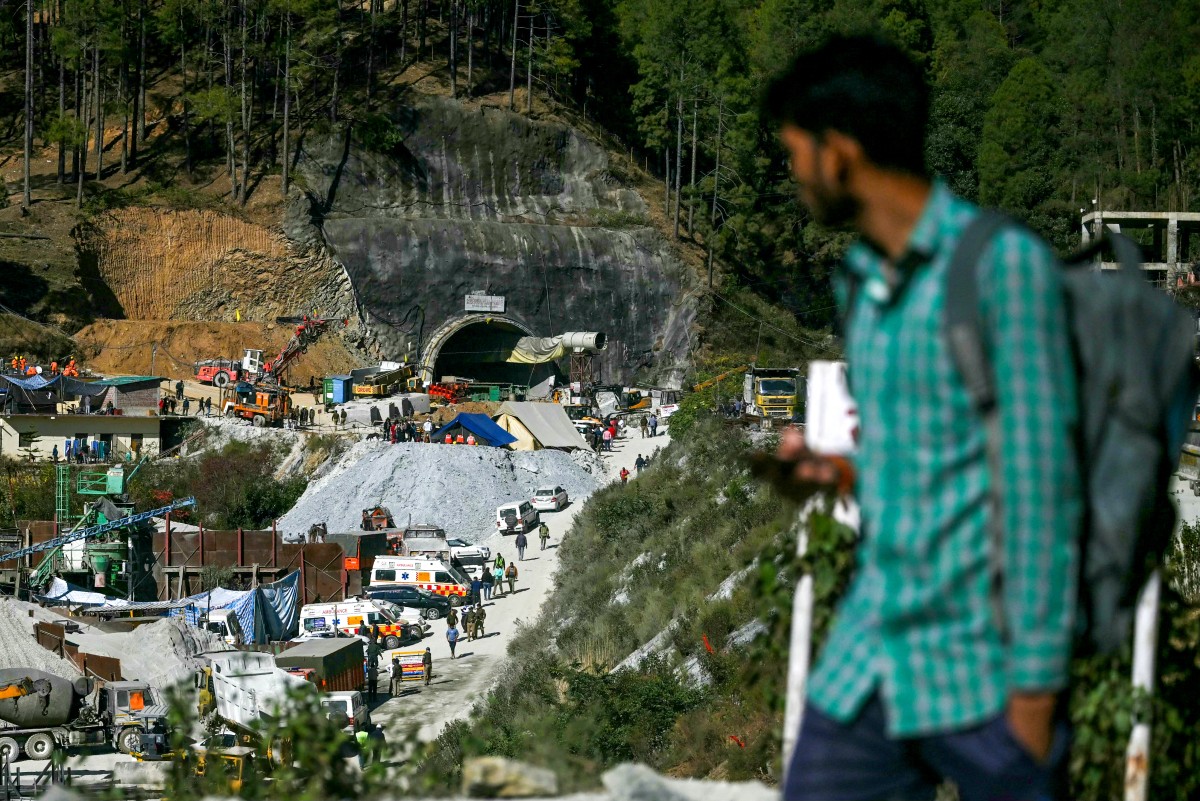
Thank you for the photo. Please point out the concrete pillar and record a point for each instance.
(1158, 242)
(1172, 242)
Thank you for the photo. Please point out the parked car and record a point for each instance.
(462, 550)
(431, 605)
(514, 517)
(351, 704)
(550, 499)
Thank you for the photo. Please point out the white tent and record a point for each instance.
(538, 425)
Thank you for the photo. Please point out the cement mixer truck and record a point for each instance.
(41, 713)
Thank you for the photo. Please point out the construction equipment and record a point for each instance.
(223, 372)
(41, 712)
(263, 404)
(246, 691)
(721, 377)
(382, 384)
(773, 392)
(377, 519)
(96, 531)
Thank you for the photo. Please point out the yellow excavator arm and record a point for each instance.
(16, 689)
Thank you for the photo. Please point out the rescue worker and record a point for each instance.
(469, 622)
(498, 580)
(470, 439)
(480, 618)
(460, 439)
(449, 439)
(645, 428)
(543, 534)
(427, 664)
(398, 677)
(510, 573)
(452, 618)
(624, 475)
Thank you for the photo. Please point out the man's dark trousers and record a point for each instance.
(857, 761)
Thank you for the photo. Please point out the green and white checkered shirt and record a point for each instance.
(917, 623)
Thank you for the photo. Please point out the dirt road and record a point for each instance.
(457, 684)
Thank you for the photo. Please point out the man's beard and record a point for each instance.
(830, 206)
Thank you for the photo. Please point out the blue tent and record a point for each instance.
(486, 432)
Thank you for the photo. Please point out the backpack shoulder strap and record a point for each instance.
(963, 319)
(969, 350)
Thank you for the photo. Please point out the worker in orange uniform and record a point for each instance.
(449, 439)
(53, 368)
(470, 439)
(460, 439)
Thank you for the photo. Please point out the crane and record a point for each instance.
(741, 368)
(308, 330)
(96, 531)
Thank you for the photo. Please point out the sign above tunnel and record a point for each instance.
(485, 303)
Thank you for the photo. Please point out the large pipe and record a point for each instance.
(590, 341)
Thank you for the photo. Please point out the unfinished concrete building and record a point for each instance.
(1170, 241)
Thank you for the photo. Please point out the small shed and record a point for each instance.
(538, 425)
(338, 389)
(486, 432)
(130, 394)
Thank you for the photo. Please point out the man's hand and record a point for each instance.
(798, 473)
(1031, 721)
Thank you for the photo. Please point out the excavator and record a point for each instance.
(261, 398)
(741, 368)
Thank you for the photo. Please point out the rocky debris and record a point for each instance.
(746, 634)
(632, 782)
(18, 648)
(455, 487)
(496, 777)
(163, 653)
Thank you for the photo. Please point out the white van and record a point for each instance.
(395, 622)
(351, 704)
(429, 574)
(517, 516)
(225, 623)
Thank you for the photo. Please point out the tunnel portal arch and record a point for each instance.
(473, 345)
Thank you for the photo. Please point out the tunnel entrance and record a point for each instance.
(476, 347)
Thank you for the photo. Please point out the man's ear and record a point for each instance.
(845, 155)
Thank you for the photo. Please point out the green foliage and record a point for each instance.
(27, 492)
(609, 218)
(234, 487)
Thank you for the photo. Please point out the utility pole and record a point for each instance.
(153, 354)
(26, 198)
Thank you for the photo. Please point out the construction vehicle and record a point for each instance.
(246, 692)
(377, 518)
(263, 404)
(252, 369)
(41, 713)
(335, 663)
(382, 383)
(773, 392)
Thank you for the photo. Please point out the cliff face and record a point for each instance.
(452, 201)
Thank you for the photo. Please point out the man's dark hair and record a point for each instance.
(864, 87)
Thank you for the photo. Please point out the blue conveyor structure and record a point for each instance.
(96, 531)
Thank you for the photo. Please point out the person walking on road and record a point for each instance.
(653, 425)
(476, 590)
(624, 475)
(187, 405)
(179, 390)
(640, 463)
(521, 543)
(452, 639)
(427, 664)
(468, 621)
(607, 437)
(510, 574)
(645, 428)
(489, 582)
(543, 534)
(480, 618)
(498, 577)
(452, 618)
(398, 678)
(932, 670)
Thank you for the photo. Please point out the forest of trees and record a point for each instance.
(1040, 107)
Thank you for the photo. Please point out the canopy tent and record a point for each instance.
(538, 425)
(268, 612)
(486, 432)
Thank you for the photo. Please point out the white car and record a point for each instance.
(550, 499)
(462, 550)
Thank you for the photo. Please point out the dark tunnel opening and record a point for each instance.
(478, 352)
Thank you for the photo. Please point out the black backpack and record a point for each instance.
(1135, 364)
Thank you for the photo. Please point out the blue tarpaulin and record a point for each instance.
(486, 432)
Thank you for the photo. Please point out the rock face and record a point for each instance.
(496, 777)
(452, 201)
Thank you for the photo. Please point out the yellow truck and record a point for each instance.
(773, 392)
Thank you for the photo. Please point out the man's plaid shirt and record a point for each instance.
(917, 624)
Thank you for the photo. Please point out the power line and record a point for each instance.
(772, 326)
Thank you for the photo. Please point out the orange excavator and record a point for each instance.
(17, 689)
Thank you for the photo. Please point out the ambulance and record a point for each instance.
(438, 577)
(345, 617)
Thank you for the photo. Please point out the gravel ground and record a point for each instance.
(18, 648)
(455, 487)
(162, 653)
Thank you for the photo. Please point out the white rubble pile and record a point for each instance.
(457, 487)
(164, 653)
(19, 649)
